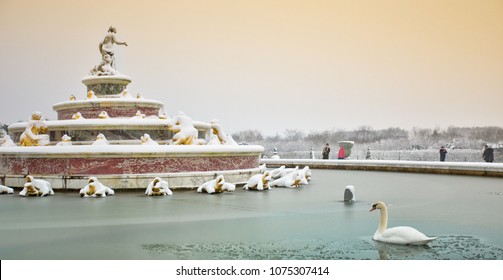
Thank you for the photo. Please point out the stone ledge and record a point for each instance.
(430, 167)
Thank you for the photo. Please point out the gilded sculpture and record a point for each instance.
(34, 134)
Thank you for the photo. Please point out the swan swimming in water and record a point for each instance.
(402, 235)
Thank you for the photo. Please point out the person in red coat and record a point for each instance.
(342, 153)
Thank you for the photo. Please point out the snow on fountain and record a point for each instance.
(104, 129)
(217, 185)
(258, 182)
(158, 187)
(95, 188)
(36, 187)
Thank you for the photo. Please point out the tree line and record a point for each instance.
(389, 138)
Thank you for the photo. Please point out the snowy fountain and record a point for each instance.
(113, 140)
(139, 141)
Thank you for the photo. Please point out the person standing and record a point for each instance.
(443, 153)
(488, 154)
(342, 153)
(367, 156)
(326, 151)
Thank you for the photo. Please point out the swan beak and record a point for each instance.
(373, 208)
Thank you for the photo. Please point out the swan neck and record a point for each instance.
(383, 221)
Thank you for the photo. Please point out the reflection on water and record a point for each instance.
(444, 248)
(310, 222)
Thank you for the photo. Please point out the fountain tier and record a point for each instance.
(115, 107)
(110, 116)
(128, 166)
(106, 86)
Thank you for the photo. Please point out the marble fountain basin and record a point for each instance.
(128, 166)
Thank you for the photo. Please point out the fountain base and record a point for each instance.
(128, 166)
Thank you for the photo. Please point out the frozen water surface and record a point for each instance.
(311, 222)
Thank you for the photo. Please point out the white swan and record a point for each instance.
(402, 235)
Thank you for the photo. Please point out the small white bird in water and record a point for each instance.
(402, 235)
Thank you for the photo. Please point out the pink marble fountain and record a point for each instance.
(125, 140)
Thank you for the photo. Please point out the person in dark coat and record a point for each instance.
(367, 156)
(326, 151)
(443, 153)
(488, 154)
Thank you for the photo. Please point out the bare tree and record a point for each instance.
(294, 135)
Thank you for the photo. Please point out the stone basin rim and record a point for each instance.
(109, 150)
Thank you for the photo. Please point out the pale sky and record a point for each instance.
(269, 65)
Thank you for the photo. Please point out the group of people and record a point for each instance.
(326, 152)
(487, 155)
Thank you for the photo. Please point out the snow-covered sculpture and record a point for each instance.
(91, 95)
(6, 141)
(158, 187)
(288, 170)
(36, 187)
(163, 116)
(138, 115)
(216, 185)
(276, 173)
(103, 115)
(78, 116)
(146, 140)
(275, 154)
(258, 182)
(222, 136)
(262, 168)
(101, 140)
(213, 140)
(65, 141)
(282, 171)
(6, 190)
(185, 132)
(306, 173)
(95, 188)
(107, 66)
(125, 94)
(290, 180)
(34, 135)
(104, 68)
